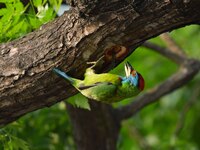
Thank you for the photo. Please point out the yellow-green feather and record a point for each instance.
(109, 89)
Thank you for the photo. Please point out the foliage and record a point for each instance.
(43, 129)
(156, 127)
(79, 101)
(16, 19)
(9, 141)
(173, 122)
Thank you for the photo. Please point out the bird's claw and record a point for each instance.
(91, 62)
(95, 63)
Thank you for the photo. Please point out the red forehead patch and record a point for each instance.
(141, 82)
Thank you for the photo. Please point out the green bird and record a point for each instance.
(107, 87)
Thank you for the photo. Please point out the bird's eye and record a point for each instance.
(133, 73)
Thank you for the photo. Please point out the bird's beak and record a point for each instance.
(128, 69)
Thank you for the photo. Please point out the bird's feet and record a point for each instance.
(96, 63)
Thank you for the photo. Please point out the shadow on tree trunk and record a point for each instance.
(97, 129)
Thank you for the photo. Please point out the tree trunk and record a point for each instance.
(97, 129)
(80, 35)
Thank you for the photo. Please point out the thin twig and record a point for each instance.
(188, 69)
(171, 44)
(165, 52)
(185, 110)
(180, 78)
(136, 134)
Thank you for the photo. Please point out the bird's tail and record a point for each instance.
(64, 75)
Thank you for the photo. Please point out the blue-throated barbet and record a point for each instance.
(107, 87)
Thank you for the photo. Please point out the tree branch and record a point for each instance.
(188, 105)
(170, 54)
(103, 127)
(184, 75)
(27, 82)
(171, 44)
(138, 137)
(189, 68)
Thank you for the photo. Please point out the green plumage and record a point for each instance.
(103, 87)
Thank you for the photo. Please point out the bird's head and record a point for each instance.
(134, 77)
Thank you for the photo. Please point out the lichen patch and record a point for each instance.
(13, 51)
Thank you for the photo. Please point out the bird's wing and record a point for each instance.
(84, 87)
(102, 78)
(101, 91)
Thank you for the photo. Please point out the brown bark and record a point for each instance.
(80, 35)
(97, 129)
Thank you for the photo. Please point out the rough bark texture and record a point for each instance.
(97, 129)
(81, 35)
(27, 81)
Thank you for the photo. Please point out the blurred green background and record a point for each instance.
(171, 123)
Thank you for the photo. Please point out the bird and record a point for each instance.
(107, 87)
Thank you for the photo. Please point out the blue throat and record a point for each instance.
(131, 79)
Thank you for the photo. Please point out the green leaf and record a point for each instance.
(37, 3)
(19, 144)
(6, 17)
(34, 22)
(3, 11)
(82, 103)
(47, 15)
(79, 101)
(19, 8)
(10, 7)
(7, 1)
(16, 29)
(17, 19)
(44, 2)
(42, 11)
(56, 4)
(5, 25)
